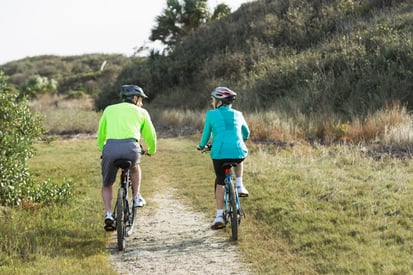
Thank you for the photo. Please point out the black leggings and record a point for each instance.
(220, 171)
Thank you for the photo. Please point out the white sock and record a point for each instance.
(220, 212)
(238, 181)
(108, 213)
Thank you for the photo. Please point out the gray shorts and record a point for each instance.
(118, 149)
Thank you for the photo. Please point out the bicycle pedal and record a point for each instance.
(110, 227)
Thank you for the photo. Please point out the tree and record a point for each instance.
(220, 11)
(181, 18)
(37, 84)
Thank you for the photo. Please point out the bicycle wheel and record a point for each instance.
(120, 219)
(233, 212)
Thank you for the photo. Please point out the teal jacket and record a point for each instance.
(228, 130)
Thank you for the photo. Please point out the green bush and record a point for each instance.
(19, 128)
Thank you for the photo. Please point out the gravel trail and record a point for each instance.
(170, 238)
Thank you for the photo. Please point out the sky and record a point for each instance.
(74, 27)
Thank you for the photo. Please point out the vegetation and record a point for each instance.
(181, 18)
(320, 62)
(341, 59)
(19, 129)
(66, 76)
(317, 210)
(336, 73)
(64, 238)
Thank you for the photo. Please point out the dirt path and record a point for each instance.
(172, 239)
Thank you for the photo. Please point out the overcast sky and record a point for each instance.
(74, 27)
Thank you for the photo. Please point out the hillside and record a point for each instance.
(85, 73)
(340, 57)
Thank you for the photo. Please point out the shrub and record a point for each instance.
(19, 128)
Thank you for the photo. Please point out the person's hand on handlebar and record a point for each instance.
(205, 149)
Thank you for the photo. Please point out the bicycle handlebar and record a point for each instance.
(144, 152)
(205, 149)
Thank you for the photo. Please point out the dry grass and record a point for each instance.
(391, 125)
(71, 116)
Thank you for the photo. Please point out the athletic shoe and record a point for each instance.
(139, 201)
(109, 224)
(218, 223)
(242, 191)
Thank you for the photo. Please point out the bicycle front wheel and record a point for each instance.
(233, 212)
(120, 219)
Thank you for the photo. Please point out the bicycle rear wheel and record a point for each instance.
(120, 219)
(233, 212)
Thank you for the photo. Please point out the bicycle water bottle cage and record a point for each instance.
(229, 164)
(123, 163)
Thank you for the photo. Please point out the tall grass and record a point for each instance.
(67, 116)
(392, 124)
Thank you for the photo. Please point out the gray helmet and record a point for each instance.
(128, 91)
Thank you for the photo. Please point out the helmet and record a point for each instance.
(223, 93)
(131, 90)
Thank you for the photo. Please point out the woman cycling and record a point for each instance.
(228, 130)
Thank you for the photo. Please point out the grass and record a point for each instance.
(392, 124)
(312, 210)
(65, 238)
(62, 116)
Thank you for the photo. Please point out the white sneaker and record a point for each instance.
(242, 191)
(139, 201)
(218, 223)
(109, 223)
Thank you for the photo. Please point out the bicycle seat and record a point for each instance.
(123, 163)
(229, 164)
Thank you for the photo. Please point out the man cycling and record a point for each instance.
(120, 129)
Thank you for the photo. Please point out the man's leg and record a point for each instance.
(136, 177)
(107, 195)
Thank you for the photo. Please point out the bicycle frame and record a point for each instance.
(124, 213)
(233, 210)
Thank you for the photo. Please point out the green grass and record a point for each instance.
(65, 238)
(311, 210)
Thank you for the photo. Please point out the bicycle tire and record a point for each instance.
(120, 219)
(233, 211)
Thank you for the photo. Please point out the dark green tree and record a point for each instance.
(180, 18)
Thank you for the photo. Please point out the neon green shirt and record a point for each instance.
(125, 120)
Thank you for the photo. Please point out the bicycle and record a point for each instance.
(124, 212)
(233, 212)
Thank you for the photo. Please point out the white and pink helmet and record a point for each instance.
(224, 94)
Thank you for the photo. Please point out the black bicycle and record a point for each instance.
(124, 212)
(233, 212)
